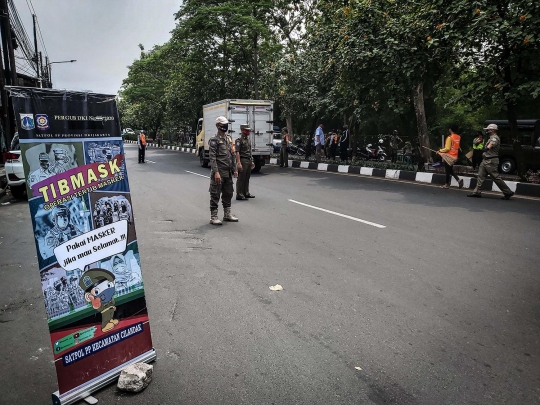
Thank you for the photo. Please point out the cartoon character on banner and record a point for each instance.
(44, 171)
(108, 210)
(61, 161)
(124, 276)
(99, 288)
(62, 231)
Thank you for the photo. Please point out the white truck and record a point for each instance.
(258, 114)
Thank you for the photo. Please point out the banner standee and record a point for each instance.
(84, 232)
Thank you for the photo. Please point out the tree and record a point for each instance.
(499, 48)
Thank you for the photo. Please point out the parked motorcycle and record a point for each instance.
(372, 153)
(297, 150)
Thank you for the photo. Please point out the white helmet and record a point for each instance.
(369, 145)
(381, 140)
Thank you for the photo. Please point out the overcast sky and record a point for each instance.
(102, 35)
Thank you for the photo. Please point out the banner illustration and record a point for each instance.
(85, 236)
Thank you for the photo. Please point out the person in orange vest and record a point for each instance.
(142, 146)
(451, 149)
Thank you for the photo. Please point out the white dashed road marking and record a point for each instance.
(197, 174)
(340, 215)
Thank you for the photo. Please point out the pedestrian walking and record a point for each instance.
(394, 142)
(344, 144)
(450, 154)
(490, 165)
(244, 163)
(142, 146)
(224, 168)
(478, 146)
(319, 142)
(284, 152)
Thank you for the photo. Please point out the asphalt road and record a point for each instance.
(439, 306)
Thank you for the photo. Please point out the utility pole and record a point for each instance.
(34, 19)
(48, 73)
(8, 43)
(8, 73)
(41, 72)
(5, 108)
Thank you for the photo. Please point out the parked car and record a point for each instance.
(276, 142)
(14, 170)
(529, 133)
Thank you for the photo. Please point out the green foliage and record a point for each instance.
(415, 65)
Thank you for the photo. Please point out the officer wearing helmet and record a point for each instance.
(490, 165)
(62, 231)
(224, 168)
(43, 172)
(60, 161)
(244, 163)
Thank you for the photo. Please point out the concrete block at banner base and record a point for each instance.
(135, 377)
(273, 161)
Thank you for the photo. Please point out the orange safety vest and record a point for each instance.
(143, 139)
(454, 149)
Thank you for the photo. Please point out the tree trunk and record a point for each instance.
(421, 122)
(516, 141)
(256, 66)
(289, 127)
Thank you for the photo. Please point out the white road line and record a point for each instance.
(149, 161)
(340, 215)
(197, 174)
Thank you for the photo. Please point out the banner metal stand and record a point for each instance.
(82, 392)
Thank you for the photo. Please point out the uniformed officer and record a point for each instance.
(43, 172)
(490, 165)
(224, 168)
(284, 152)
(61, 161)
(394, 142)
(62, 231)
(99, 288)
(244, 163)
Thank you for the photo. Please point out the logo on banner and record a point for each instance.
(27, 121)
(42, 121)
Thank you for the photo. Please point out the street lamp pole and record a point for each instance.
(49, 70)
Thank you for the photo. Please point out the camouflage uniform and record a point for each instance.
(243, 146)
(222, 162)
(490, 166)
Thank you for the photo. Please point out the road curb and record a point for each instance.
(521, 189)
(169, 147)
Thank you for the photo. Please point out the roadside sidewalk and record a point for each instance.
(521, 189)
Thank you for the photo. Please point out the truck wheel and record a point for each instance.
(18, 192)
(202, 160)
(257, 167)
(508, 166)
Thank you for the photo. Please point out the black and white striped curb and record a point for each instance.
(176, 148)
(523, 189)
